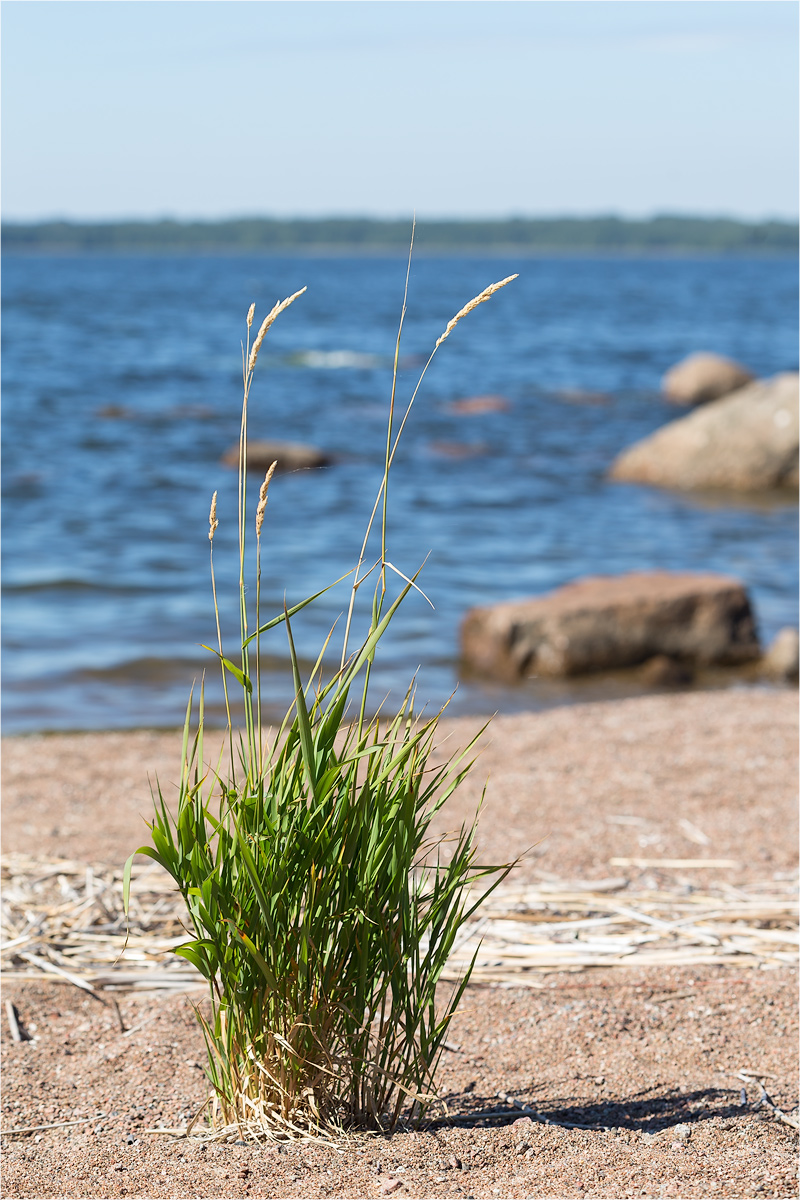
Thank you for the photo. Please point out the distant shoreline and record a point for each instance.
(332, 252)
(603, 237)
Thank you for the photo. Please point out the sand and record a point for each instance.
(645, 1060)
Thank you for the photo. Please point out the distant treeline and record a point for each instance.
(668, 234)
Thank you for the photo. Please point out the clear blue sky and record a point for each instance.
(454, 108)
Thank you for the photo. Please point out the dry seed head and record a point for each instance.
(251, 312)
(262, 499)
(212, 518)
(481, 299)
(265, 324)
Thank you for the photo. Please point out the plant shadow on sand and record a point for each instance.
(644, 1112)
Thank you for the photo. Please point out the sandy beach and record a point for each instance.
(635, 1066)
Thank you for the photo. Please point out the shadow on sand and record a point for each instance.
(643, 1111)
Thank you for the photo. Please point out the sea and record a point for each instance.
(122, 381)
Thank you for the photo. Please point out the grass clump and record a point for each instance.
(323, 910)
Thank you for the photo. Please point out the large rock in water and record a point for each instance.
(783, 656)
(607, 622)
(703, 377)
(747, 442)
(290, 456)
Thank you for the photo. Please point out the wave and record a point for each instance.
(335, 360)
(75, 585)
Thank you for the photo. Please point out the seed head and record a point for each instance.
(251, 312)
(212, 518)
(265, 324)
(262, 499)
(480, 299)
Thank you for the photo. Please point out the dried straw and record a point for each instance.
(265, 324)
(480, 299)
(66, 922)
(520, 934)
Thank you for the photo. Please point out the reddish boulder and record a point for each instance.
(474, 406)
(608, 622)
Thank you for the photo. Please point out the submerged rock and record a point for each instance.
(608, 622)
(290, 456)
(473, 406)
(579, 396)
(703, 377)
(745, 442)
(663, 671)
(458, 449)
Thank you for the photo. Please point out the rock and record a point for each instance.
(662, 671)
(781, 658)
(608, 622)
(115, 412)
(475, 405)
(745, 442)
(703, 377)
(458, 449)
(579, 396)
(390, 1185)
(290, 456)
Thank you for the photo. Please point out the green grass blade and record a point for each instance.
(238, 674)
(296, 608)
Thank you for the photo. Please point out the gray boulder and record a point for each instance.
(747, 441)
(703, 377)
(290, 456)
(608, 622)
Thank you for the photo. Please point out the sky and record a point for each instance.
(452, 108)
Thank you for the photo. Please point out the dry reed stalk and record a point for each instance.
(26, 1129)
(766, 1101)
(13, 1023)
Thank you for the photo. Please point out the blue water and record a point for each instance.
(121, 390)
